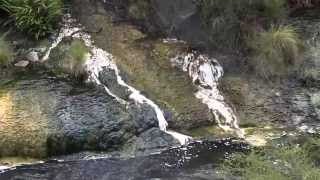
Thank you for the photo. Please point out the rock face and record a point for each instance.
(22, 64)
(180, 18)
(45, 116)
(289, 104)
(145, 64)
(33, 56)
(315, 100)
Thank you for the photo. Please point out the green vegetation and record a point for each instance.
(281, 163)
(68, 58)
(73, 62)
(254, 25)
(35, 17)
(75, 58)
(275, 50)
(6, 54)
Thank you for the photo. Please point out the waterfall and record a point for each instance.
(205, 73)
(97, 60)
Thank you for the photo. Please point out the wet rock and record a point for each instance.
(180, 19)
(146, 66)
(109, 79)
(22, 64)
(315, 100)
(152, 141)
(32, 56)
(105, 125)
(258, 106)
(48, 116)
(172, 14)
(144, 117)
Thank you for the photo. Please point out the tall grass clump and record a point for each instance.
(281, 163)
(275, 51)
(6, 53)
(35, 17)
(73, 63)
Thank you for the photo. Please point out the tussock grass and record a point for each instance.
(74, 60)
(36, 17)
(275, 51)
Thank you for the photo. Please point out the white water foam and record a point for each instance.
(99, 59)
(205, 73)
(4, 168)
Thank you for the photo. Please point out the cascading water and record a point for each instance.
(205, 73)
(97, 61)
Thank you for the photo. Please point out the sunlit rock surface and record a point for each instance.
(42, 115)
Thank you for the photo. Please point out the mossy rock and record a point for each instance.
(144, 63)
(68, 58)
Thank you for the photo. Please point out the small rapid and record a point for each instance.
(205, 73)
(98, 60)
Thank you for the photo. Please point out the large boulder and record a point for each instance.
(43, 115)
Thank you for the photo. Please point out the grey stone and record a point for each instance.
(315, 101)
(22, 64)
(33, 56)
(67, 119)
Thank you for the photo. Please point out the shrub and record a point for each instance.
(6, 54)
(280, 163)
(275, 51)
(36, 17)
(75, 57)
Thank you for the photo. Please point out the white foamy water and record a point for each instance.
(205, 73)
(97, 60)
(4, 168)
